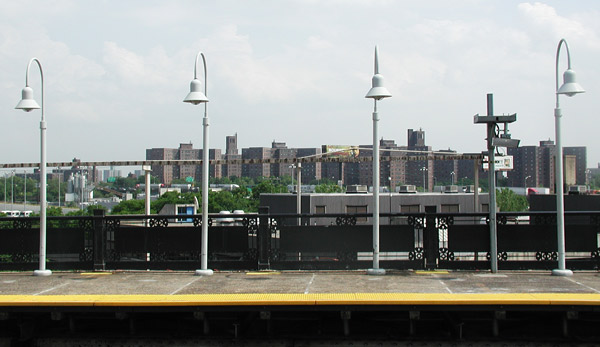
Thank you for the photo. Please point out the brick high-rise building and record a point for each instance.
(256, 170)
(533, 166)
(310, 171)
(445, 171)
(167, 173)
(231, 153)
(279, 150)
(419, 172)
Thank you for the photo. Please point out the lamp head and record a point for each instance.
(27, 102)
(570, 87)
(195, 95)
(378, 91)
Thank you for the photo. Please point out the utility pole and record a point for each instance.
(494, 139)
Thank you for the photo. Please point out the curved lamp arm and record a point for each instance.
(200, 54)
(42, 76)
(560, 43)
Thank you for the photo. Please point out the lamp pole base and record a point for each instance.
(203, 272)
(42, 273)
(562, 272)
(375, 272)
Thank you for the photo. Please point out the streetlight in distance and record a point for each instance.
(196, 97)
(569, 88)
(29, 104)
(377, 92)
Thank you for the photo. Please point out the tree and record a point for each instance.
(221, 201)
(328, 188)
(125, 183)
(508, 201)
(130, 207)
(595, 182)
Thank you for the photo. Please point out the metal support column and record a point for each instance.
(494, 141)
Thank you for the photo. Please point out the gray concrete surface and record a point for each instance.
(174, 283)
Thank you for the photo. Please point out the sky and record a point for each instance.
(295, 71)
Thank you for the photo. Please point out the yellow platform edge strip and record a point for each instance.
(334, 299)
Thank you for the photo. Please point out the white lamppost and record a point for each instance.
(525, 182)
(424, 169)
(377, 92)
(452, 174)
(196, 97)
(12, 190)
(59, 188)
(24, 190)
(28, 104)
(5, 200)
(569, 88)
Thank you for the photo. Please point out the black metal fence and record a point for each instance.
(263, 240)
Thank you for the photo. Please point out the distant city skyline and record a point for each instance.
(114, 86)
(535, 163)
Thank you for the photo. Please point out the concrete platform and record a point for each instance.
(176, 286)
(229, 308)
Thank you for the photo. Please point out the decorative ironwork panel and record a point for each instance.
(417, 222)
(112, 224)
(86, 255)
(502, 256)
(251, 225)
(540, 256)
(417, 254)
(198, 222)
(444, 222)
(501, 220)
(21, 224)
(159, 222)
(86, 224)
(345, 221)
(274, 226)
(445, 254)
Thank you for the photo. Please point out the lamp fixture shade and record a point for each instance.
(195, 95)
(378, 91)
(27, 102)
(570, 87)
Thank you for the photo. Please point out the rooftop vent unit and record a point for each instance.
(408, 189)
(576, 190)
(451, 189)
(356, 189)
(469, 189)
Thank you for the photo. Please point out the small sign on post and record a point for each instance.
(501, 163)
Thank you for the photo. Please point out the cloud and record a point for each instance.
(316, 42)
(545, 17)
(271, 77)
